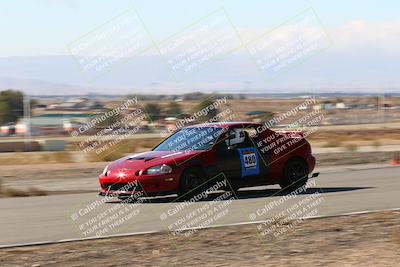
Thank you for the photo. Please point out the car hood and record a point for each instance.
(152, 158)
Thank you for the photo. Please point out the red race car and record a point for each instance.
(247, 154)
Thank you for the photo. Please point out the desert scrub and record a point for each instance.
(351, 147)
(108, 155)
(22, 158)
(56, 157)
(333, 143)
(376, 144)
(31, 191)
(62, 157)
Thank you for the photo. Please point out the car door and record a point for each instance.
(228, 160)
(238, 158)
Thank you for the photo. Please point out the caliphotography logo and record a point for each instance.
(109, 44)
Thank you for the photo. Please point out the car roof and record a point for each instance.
(226, 124)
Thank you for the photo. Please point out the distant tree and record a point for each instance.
(193, 96)
(153, 110)
(11, 106)
(229, 96)
(3, 112)
(173, 109)
(34, 103)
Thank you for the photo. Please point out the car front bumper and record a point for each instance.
(149, 185)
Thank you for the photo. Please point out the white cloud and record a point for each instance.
(366, 35)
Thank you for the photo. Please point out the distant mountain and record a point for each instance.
(40, 87)
(235, 73)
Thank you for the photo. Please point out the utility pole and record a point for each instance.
(27, 121)
(382, 108)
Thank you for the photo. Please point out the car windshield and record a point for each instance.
(188, 139)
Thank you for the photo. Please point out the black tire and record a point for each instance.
(191, 182)
(295, 175)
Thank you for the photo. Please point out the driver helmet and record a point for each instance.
(237, 135)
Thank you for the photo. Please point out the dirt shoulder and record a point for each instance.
(357, 240)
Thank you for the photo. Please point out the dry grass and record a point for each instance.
(31, 191)
(34, 191)
(13, 192)
(339, 138)
(58, 157)
(21, 158)
(351, 147)
(385, 135)
(114, 152)
(105, 156)
(333, 143)
(121, 149)
(376, 144)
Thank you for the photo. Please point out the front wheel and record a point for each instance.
(191, 182)
(295, 175)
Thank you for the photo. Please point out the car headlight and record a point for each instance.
(105, 171)
(159, 169)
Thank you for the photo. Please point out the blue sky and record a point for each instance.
(364, 55)
(45, 27)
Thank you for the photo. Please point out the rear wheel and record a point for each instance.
(191, 182)
(295, 175)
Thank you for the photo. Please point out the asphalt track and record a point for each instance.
(48, 218)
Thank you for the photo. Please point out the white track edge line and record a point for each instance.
(186, 229)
